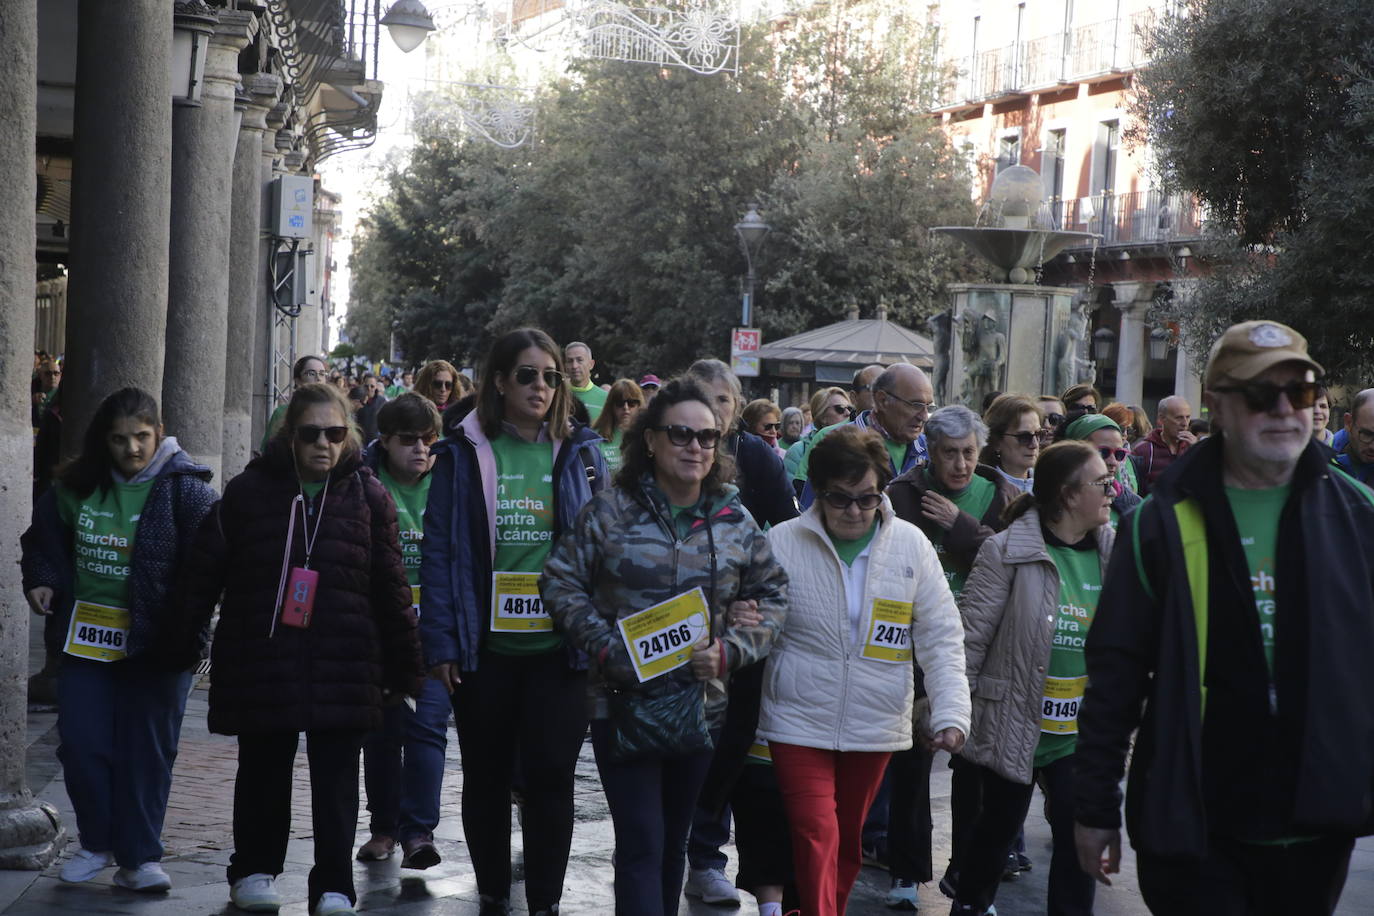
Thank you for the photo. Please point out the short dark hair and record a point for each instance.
(408, 413)
(1055, 471)
(634, 451)
(847, 454)
(92, 467)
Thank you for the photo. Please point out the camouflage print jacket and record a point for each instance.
(624, 555)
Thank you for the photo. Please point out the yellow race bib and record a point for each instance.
(1059, 709)
(889, 632)
(516, 606)
(98, 632)
(415, 600)
(660, 638)
(760, 750)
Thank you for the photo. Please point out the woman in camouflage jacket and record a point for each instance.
(668, 527)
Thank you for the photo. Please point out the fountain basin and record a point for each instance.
(1015, 251)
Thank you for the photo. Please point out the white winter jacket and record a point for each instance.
(819, 689)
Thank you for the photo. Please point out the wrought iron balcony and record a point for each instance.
(1135, 218)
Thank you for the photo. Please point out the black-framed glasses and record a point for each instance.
(309, 435)
(1054, 419)
(682, 435)
(1108, 485)
(842, 501)
(1262, 397)
(318, 375)
(525, 375)
(409, 439)
(771, 427)
(1365, 436)
(1025, 440)
(446, 384)
(918, 406)
(1108, 453)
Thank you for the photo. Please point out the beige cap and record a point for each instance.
(1249, 348)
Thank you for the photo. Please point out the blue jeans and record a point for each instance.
(651, 804)
(119, 724)
(403, 765)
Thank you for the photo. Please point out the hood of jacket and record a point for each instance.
(170, 458)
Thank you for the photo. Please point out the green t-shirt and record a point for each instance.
(104, 524)
(849, 549)
(524, 529)
(395, 391)
(895, 450)
(312, 488)
(974, 499)
(273, 424)
(594, 396)
(1257, 518)
(410, 520)
(1080, 584)
(610, 451)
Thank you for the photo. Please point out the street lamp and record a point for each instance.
(409, 24)
(751, 231)
(1160, 338)
(192, 24)
(1104, 341)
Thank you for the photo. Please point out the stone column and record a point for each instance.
(1130, 362)
(247, 272)
(272, 152)
(121, 206)
(204, 139)
(30, 833)
(1188, 381)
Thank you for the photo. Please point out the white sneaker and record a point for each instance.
(256, 894)
(332, 903)
(903, 895)
(148, 878)
(85, 865)
(711, 885)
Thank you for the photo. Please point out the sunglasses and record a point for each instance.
(1261, 397)
(1054, 419)
(681, 436)
(443, 386)
(772, 427)
(1107, 484)
(1084, 408)
(629, 402)
(1025, 440)
(525, 375)
(842, 501)
(1118, 453)
(309, 435)
(409, 439)
(842, 409)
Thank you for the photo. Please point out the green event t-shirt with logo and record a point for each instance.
(896, 451)
(1257, 519)
(610, 451)
(410, 519)
(104, 524)
(594, 396)
(524, 528)
(1080, 584)
(974, 500)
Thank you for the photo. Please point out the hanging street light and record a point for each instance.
(751, 231)
(409, 24)
(1160, 338)
(192, 24)
(1104, 342)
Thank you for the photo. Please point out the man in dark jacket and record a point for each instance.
(1166, 441)
(1357, 456)
(1234, 631)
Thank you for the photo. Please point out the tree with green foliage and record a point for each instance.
(1265, 112)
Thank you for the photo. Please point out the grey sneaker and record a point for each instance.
(903, 895)
(256, 894)
(711, 885)
(148, 878)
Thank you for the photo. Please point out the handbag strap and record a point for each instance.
(711, 610)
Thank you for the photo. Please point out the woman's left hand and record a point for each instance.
(708, 659)
(744, 613)
(948, 739)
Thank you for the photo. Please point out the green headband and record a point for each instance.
(1088, 424)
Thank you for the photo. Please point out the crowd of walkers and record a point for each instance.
(780, 618)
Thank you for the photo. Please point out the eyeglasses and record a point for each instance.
(772, 427)
(316, 374)
(842, 501)
(1054, 419)
(918, 406)
(1366, 436)
(1025, 440)
(1107, 484)
(682, 435)
(525, 375)
(1118, 453)
(409, 439)
(1262, 397)
(309, 435)
(445, 385)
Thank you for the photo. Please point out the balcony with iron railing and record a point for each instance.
(1083, 52)
(1134, 218)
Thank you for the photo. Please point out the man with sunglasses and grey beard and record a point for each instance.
(1234, 632)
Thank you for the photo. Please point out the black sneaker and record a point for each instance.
(1011, 869)
(875, 852)
(949, 884)
(1023, 861)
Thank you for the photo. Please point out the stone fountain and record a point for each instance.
(1013, 335)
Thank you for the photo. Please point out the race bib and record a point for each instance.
(516, 606)
(760, 751)
(660, 638)
(415, 600)
(1059, 710)
(98, 632)
(889, 632)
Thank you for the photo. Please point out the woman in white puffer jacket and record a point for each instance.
(867, 591)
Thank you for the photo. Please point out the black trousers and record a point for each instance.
(262, 806)
(531, 709)
(993, 833)
(909, 822)
(1244, 879)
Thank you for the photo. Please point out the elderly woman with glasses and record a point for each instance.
(866, 594)
(1016, 433)
(510, 480)
(1027, 607)
(1103, 433)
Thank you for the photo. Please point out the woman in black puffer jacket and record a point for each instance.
(272, 680)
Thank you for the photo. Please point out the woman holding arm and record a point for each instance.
(642, 585)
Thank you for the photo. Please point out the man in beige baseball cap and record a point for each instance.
(1237, 598)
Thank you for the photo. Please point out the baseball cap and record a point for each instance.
(650, 381)
(1251, 347)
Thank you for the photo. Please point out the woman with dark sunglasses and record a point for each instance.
(1027, 608)
(1015, 425)
(829, 406)
(643, 585)
(866, 593)
(439, 382)
(623, 403)
(763, 418)
(511, 479)
(315, 633)
(1104, 434)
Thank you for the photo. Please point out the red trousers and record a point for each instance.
(827, 794)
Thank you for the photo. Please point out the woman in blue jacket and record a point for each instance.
(504, 487)
(103, 552)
